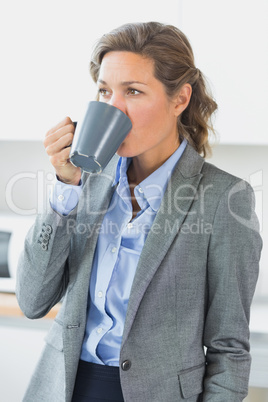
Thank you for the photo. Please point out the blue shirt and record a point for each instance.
(119, 246)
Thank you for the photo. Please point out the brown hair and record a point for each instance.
(174, 65)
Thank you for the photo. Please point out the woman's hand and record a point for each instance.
(57, 144)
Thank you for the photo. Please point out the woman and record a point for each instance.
(155, 260)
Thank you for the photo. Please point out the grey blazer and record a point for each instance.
(186, 334)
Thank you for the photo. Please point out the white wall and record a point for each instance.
(46, 47)
(45, 53)
(230, 41)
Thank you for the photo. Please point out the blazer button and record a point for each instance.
(126, 365)
(48, 229)
(46, 236)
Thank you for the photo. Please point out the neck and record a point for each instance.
(144, 165)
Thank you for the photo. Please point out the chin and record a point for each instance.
(124, 151)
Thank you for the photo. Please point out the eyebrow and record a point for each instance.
(124, 83)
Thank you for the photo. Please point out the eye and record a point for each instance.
(103, 92)
(133, 91)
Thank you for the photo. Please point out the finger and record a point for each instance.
(53, 137)
(61, 124)
(61, 158)
(61, 143)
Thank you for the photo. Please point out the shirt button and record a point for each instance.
(126, 365)
(113, 250)
(61, 197)
(100, 294)
(130, 225)
(99, 330)
(140, 190)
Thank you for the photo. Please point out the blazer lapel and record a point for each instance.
(175, 205)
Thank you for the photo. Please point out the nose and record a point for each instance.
(119, 102)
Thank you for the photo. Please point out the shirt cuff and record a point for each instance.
(64, 197)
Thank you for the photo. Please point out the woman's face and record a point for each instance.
(126, 81)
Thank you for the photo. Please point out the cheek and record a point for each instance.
(144, 118)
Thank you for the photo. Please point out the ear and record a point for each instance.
(182, 99)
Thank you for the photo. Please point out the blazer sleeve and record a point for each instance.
(233, 265)
(42, 275)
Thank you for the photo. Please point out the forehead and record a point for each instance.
(127, 65)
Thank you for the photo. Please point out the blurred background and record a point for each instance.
(45, 53)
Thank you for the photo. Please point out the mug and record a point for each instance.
(98, 136)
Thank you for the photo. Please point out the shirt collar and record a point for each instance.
(121, 168)
(152, 189)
